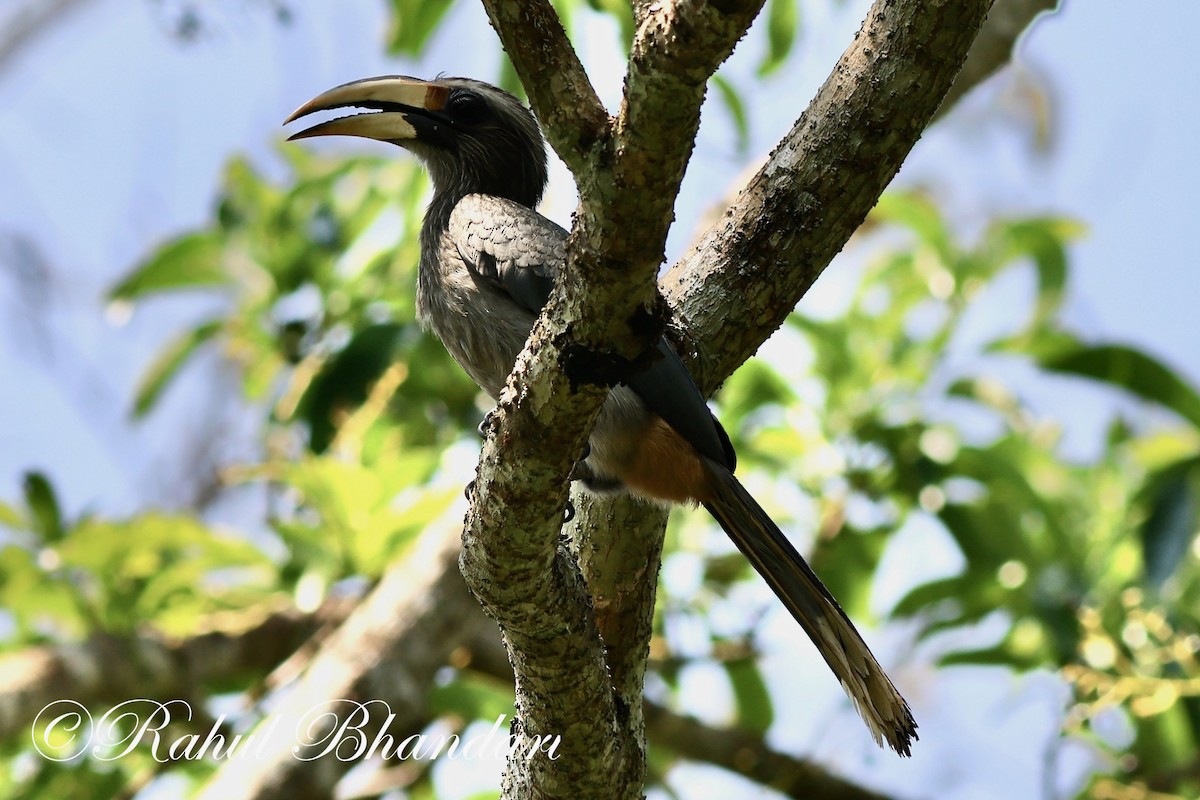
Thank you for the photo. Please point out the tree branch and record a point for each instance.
(108, 669)
(26, 24)
(678, 47)
(747, 754)
(566, 105)
(737, 751)
(184, 668)
(993, 48)
(388, 650)
(622, 577)
(604, 316)
(817, 186)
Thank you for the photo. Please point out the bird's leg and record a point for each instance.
(581, 471)
(594, 481)
(481, 429)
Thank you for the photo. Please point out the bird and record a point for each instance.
(487, 266)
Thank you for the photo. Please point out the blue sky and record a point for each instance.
(113, 135)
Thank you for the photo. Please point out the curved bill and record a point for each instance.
(390, 96)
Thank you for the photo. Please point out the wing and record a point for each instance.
(509, 246)
(520, 252)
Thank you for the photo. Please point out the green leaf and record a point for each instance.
(11, 517)
(32, 597)
(189, 261)
(473, 696)
(919, 598)
(364, 517)
(345, 380)
(1174, 518)
(1040, 342)
(754, 710)
(917, 213)
(737, 110)
(1165, 741)
(753, 386)
(1042, 240)
(43, 507)
(1003, 654)
(1132, 370)
(846, 563)
(413, 23)
(998, 655)
(167, 363)
(161, 568)
(783, 18)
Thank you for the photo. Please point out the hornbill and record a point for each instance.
(488, 262)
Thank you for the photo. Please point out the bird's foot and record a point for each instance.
(581, 471)
(484, 423)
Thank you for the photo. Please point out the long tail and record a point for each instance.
(793, 581)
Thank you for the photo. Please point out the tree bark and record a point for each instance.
(386, 653)
(755, 263)
(107, 669)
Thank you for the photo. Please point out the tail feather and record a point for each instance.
(875, 698)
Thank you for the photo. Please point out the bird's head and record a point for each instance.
(473, 137)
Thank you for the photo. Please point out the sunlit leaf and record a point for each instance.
(1173, 521)
(1165, 741)
(364, 518)
(10, 517)
(917, 213)
(1044, 241)
(1132, 370)
(755, 711)
(44, 510)
(783, 20)
(345, 379)
(154, 564)
(167, 363)
(754, 385)
(930, 594)
(193, 260)
(413, 22)
(33, 599)
(732, 101)
(474, 697)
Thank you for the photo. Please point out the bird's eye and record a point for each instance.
(467, 107)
